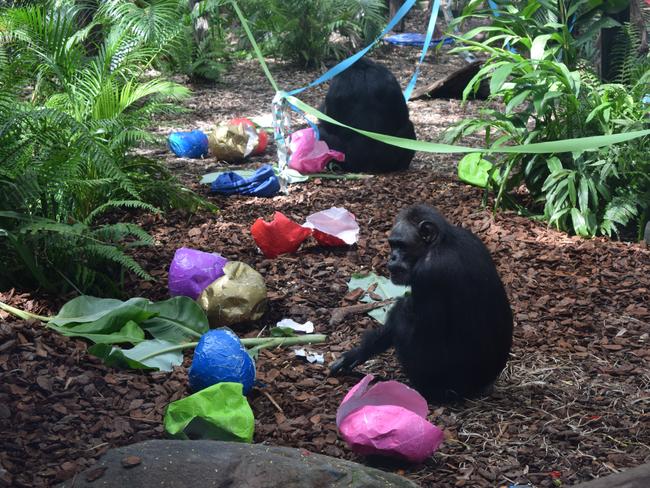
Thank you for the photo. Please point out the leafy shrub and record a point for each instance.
(310, 31)
(71, 113)
(586, 192)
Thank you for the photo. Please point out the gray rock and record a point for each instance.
(638, 477)
(198, 464)
(646, 234)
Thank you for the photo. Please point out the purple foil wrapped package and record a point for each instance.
(192, 271)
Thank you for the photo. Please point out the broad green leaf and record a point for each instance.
(131, 333)
(179, 319)
(87, 308)
(219, 412)
(499, 77)
(152, 354)
(517, 100)
(583, 195)
(109, 321)
(571, 185)
(475, 170)
(579, 223)
(554, 164)
(537, 49)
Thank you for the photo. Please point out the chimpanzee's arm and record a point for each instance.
(373, 342)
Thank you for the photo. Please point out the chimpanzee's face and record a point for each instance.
(406, 248)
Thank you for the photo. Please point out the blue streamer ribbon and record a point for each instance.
(346, 63)
(425, 48)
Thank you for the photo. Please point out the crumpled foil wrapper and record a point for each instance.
(231, 142)
(238, 296)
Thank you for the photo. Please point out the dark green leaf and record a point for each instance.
(153, 354)
(179, 319)
(282, 332)
(131, 333)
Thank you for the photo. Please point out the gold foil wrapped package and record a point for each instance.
(231, 142)
(238, 296)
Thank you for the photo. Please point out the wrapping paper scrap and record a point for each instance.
(219, 412)
(232, 142)
(308, 154)
(334, 227)
(387, 419)
(238, 296)
(191, 271)
(262, 136)
(262, 183)
(307, 327)
(281, 235)
(312, 357)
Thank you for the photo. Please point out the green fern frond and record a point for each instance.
(114, 255)
(113, 204)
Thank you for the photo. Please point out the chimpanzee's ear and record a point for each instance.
(428, 231)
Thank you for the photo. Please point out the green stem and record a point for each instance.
(22, 314)
(264, 342)
(284, 341)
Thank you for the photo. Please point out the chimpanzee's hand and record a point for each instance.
(345, 363)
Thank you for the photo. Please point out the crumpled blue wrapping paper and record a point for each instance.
(263, 183)
(220, 356)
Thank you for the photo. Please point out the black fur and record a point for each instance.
(367, 96)
(453, 333)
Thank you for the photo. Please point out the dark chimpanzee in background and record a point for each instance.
(367, 96)
(453, 333)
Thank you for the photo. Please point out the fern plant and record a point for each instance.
(70, 120)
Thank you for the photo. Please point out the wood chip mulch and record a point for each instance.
(573, 403)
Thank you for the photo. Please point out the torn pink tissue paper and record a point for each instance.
(308, 154)
(333, 227)
(387, 419)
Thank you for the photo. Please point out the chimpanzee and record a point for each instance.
(367, 96)
(453, 332)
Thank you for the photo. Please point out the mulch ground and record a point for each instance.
(573, 403)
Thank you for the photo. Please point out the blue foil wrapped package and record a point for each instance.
(262, 183)
(220, 356)
(192, 144)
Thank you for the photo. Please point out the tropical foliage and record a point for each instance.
(311, 31)
(535, 69)
(76, 99)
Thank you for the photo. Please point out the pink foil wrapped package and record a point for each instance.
(387, 419)
(333, 227)
(191, 271)
(309, 155)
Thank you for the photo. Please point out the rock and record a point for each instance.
(646, 234)
(638, 477)
(179, 464)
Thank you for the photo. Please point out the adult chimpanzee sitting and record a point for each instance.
(367, 96)
(453, 333)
